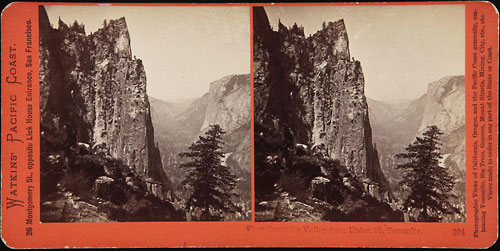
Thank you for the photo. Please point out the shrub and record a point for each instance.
(138, 209)
(308, 165)
(91, 165)
(268, 142)
(80, 179)
(79, 183)
(51, 171)
(294, 183)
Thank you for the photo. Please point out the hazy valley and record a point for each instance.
(109, 152)
(177, 125)
(397, 125)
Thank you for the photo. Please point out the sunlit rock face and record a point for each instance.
(179, 124)
(308, 90)
(443, 105)
(396, 125)
(228, 104)
(445, 108)
(93, 91)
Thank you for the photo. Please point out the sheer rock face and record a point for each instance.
(445, 108)
(311, 92)
(178, 125)
(229, 106)
(93, 90)
(442, 105)
(445, 104)
(227, 103)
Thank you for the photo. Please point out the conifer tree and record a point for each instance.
(431, 185)
(212, 182)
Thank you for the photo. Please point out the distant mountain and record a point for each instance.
(178, 125)
(396, 126)
(229, 106)
(398, 102)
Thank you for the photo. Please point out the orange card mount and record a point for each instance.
(261, 125)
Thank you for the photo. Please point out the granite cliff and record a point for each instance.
(229, 106)
(94, 106)
(309, 101)
(227, 103)
(395, 126)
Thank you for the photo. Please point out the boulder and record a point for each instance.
(155, 188)
(84, 148)
(301, 149)
(103, 187)
(320, 188)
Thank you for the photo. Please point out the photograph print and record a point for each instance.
(359, 113)
(145, 113)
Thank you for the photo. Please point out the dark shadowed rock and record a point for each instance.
(314, 155)
(319, 188)
(103, 186)
(310, 91)
(93, 91)
(97, 137)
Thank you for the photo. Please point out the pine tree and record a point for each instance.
(211, 181)
(431, 185)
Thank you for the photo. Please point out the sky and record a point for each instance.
(401, 48)
(183, 49)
